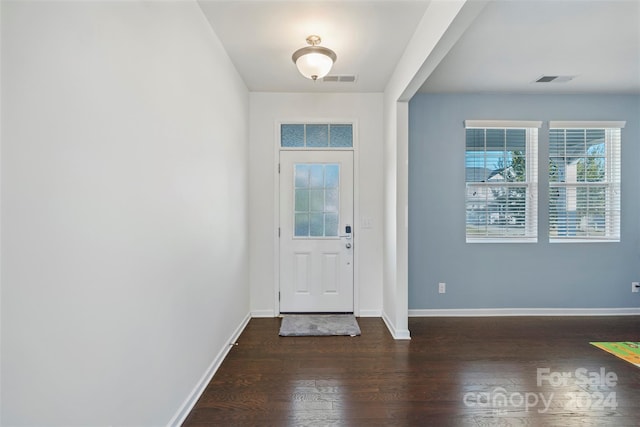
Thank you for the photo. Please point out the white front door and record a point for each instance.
(316, 231)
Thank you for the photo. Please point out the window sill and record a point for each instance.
(502, 240)
(583, 240)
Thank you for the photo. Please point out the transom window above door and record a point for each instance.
(314, 135)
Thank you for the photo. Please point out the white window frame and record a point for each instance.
(531, 208)
(612, 181)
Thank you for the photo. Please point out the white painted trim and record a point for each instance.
(556, 124)
(370, 313)
(396, 334)
(356, 199)
(1, 222)
(497, 312)
(276, 217)
(197, 391)
(502, 124)
(263, 313)
(355, 126)
(570, 239)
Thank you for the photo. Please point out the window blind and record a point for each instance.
(584, 181)
(501, 181)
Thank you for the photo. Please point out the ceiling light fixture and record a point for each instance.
(314, 62)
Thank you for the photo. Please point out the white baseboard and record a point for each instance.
(195, 394)
(496, 312)
(263, 313)
(370, 313)
(397, 334)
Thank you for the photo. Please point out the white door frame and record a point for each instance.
(356, 203)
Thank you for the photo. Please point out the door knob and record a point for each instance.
(348, 245)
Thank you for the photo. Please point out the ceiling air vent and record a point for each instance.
(340, 79)
(554, 79)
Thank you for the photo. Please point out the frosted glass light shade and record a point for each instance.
(314, 62)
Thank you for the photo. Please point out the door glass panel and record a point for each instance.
(302, 224)
(331, 200)
(302, 200)
(302, 176)
(316, 224)
(331, 176)
(316, 199)
(331, 224)
(316, 177)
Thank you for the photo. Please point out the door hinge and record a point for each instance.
(278, 296)
(278, 167)
(278, 231)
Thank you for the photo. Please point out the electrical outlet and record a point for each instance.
(442, 288)
(635, 286)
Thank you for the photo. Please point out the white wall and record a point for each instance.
(124, 210)
(443, 23)
(266, 110)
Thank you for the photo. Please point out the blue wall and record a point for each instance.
(512, 275)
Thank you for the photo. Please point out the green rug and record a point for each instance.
(629, 351)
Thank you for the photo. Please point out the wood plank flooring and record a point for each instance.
(453, 372)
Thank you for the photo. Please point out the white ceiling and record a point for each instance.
(508, 46)
(513, 43)
(260, 36)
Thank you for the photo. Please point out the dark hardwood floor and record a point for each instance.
(454, 372)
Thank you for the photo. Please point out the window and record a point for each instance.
(584, 181)
(317, 199)
(316, 135)
(501, 181)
